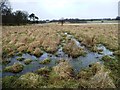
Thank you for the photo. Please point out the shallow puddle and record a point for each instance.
(77, 63)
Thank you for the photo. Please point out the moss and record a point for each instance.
(45, 61)
(15, 68)
(30, 80)
(43, 71)
(7, 82)
(27, 61)
(20, 58)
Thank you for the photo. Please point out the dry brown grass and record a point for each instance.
(96, 76)
(72, 49)
(64, 70)
(45, 37)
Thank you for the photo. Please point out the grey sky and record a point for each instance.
(55, 9)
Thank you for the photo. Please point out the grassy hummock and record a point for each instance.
(45, 61)
(20, 58)
(43, 71)
(30, 80)
(97, 76)
(64, 69)
(113, 65)
(15, 68)
(72, 49)
(27, 61)
(5, 61)
(37, 52)
(62, 76)
(7, 82)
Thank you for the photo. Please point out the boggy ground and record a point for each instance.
(37, 39)
(62, 76)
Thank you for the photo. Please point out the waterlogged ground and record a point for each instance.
(78, 63)
(30, 48)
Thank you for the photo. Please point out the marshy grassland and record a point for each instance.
(37, 40)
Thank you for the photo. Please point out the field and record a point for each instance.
(55, 56)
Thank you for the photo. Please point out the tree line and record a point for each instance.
(15, 18)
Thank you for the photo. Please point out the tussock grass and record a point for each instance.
(15, 68)
(72, 49)
(97, 76)
(43, 71)
(64, 70)
(45, 61)
(113, 65)
(27, 61)
(27, 38)
(29, 80)
(62, 76)
(38, 38)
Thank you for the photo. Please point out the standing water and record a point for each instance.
(77, 63)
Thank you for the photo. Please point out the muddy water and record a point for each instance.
(77, 63)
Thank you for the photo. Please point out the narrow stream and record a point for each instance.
(77, 63)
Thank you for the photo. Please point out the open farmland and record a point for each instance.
(55, 56)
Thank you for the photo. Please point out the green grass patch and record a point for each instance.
(45, 61)
(15, 68)
(27, 61)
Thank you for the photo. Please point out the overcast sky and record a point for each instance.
(55, 9)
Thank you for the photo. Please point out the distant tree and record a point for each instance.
(36, 18)
(32, 16)
(118, 18)
(21, 17)
(5, 7)
(6, 12)
(12, 18)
